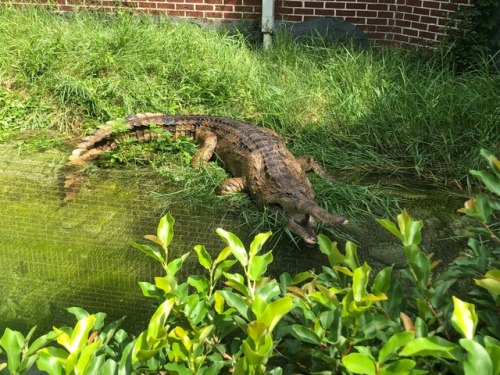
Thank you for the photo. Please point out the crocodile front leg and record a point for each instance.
(208, 142)
(232, 185)
(309, 163)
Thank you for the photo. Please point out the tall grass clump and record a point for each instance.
(363, 111)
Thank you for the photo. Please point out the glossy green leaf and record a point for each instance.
(49, 362)
(235, 245)
(259, 241)
(222, 268)
(85, 356)
(430, 346)
(159, 319)
(493, 161)
(302, 276)
(200, 283)
(80, 334)
(110, 367)
(165, 230)
(41, 342)
(490, 181)
(305, 334)
(78, 312)
(395, 342)
(382, 281)
(494, 353)
(359, 363)
(331, 250)
(125, 364)
(351, 255)
(360, 282)
(399, 367)
(464, 318)
(223, 255)
(174, 266)
(491, 281)
(268, 291)
(13, 343)
(477, 360)
(203, 256)
(275, 311)
(234, 300)
(391, 227)
(150, 251)
(258, 265)
(238, 286)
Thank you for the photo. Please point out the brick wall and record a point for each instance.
(408, 22)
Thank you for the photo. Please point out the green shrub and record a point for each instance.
(339, 321)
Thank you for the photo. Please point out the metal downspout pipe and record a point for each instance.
(267, 22)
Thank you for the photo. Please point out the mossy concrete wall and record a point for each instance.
(54, 256)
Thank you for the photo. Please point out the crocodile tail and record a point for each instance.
(105, 138)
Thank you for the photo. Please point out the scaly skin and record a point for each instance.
(256, 157)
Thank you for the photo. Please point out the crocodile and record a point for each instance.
(256, 157)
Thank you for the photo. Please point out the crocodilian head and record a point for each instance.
(303, 216)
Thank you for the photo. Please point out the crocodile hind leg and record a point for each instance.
(309, 163)
(208, 142)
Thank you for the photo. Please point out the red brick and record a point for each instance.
(146, 4)
(163, 5)
(314, 4)
(385, 29)
(252, 16)
(192, 14)
(245, 9)
(449, 6)
(356, 6)
(427, 35)
(303, 11)
(422, 11)
(431, 4)
(288, 17)
(402, 23)
(385, 14)
(335, 5)
(224, 8)
(345, 13)
(414, 3)
(404, 9)
(366, 14)
(377, 6)
(203, 7)
(437, 13)
(176, 13)
(428, 20)
(434, 29)
(411, 17)
(325, 12)
(184, 6)
(410, 32)
(215, 15)
(291, 4)
(376, 21)
(233, 16)
(419, 26)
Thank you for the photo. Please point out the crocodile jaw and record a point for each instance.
(304, 226)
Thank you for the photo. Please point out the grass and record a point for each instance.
(361, 112)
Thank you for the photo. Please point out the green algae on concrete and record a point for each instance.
(55, 256)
